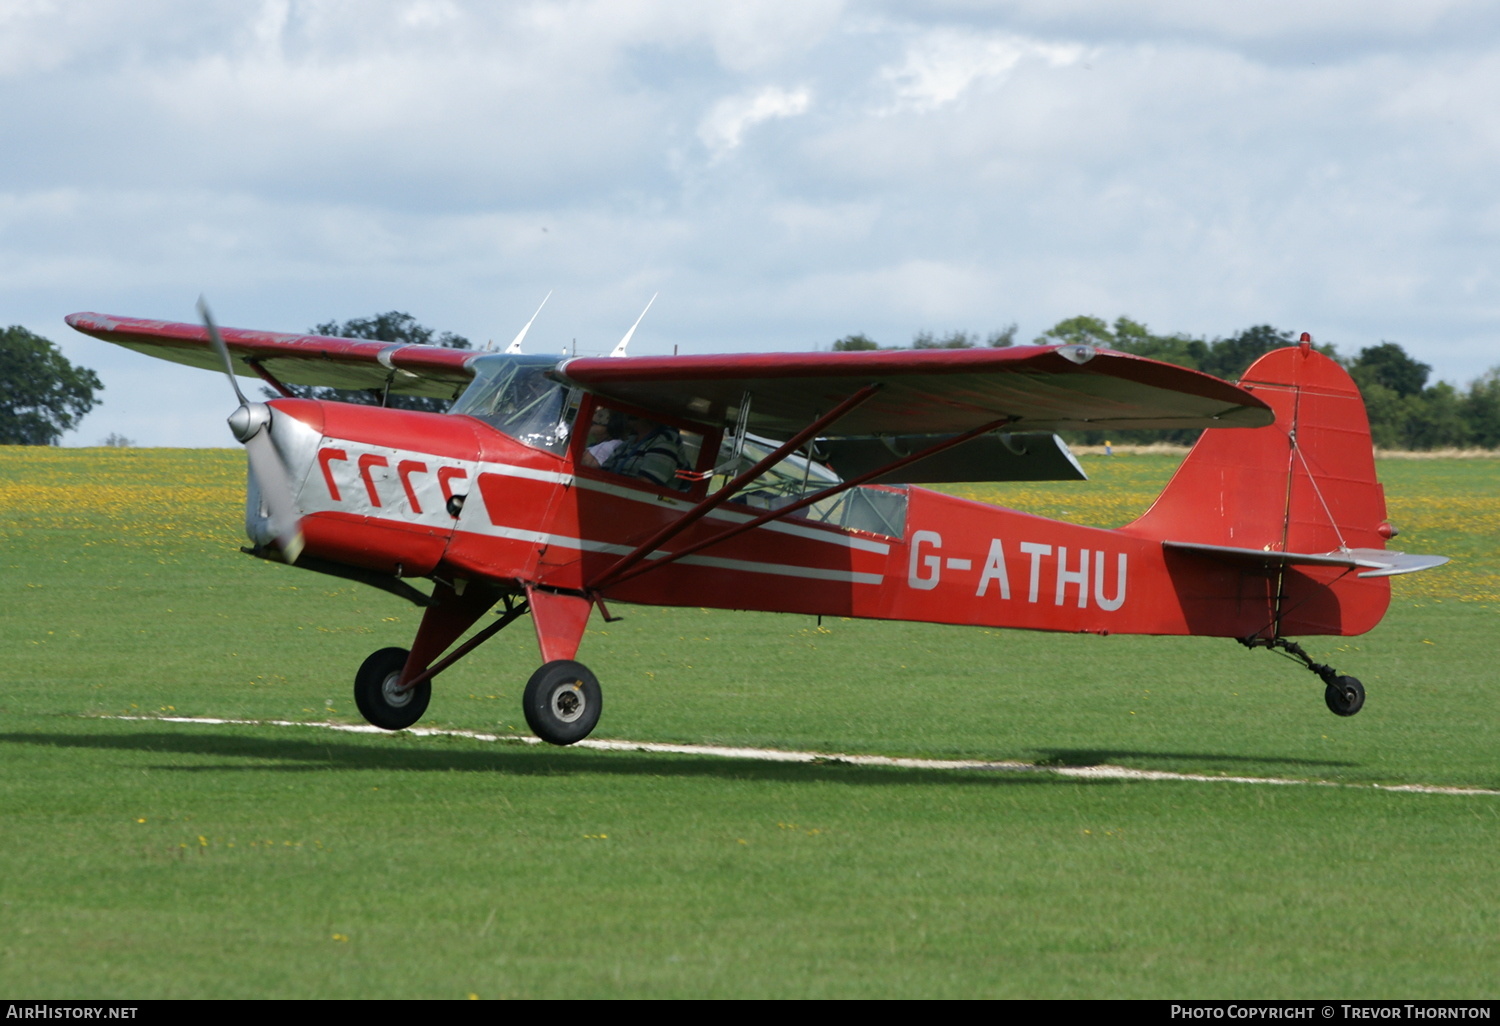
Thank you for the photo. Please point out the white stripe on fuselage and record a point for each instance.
(743, 565)
(656, 501)
(479, 519)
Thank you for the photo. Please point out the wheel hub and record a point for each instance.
(395, 696)
(568, 702)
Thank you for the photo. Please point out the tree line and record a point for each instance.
(1405, 411)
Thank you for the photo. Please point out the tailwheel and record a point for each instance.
(562, 702)
(1345, 696)
(379, 699)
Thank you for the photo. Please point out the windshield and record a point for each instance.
(512, 393)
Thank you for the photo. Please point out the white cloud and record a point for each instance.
(724, 127)
(940, 67)
(1327, 25)
(749, 35)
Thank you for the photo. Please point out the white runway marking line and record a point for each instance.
(1104, 772)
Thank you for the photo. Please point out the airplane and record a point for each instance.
(791, 482)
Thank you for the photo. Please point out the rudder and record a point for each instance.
(1305, 484)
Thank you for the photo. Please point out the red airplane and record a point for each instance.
(785, 482)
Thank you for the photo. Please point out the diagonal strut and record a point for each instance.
(702, 509)
(809, 500)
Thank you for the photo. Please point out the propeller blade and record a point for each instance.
(251, 424)
(220, 347)
(276, 492)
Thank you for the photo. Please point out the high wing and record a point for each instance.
(923, 392)
(920, 392)
(293, 359)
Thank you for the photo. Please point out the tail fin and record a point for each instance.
(1304, 485)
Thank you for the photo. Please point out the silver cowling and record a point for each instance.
(282, 452)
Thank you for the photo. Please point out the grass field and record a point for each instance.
(147, 859)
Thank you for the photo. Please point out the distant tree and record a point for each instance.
(1387, 364)
(41, 393)
(1078, 330)
(927, 340)
(1006, 336)
(952, 340)
(386, 327)
(114, 441)
(1436, 418)
(1388, 415)
(1228, 358)
(1482, 410)
(1185, 351)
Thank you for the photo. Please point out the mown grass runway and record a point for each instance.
(153, 859)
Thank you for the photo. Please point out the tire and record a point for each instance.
(376, 695)
(562, 702)
(1345, 696)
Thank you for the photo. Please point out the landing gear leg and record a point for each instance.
(393, 686)
(1343, 695)
(562, 700)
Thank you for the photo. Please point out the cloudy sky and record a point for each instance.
(783, 173)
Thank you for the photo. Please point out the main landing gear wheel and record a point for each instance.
(562, 702)
(378, 698)
(1345, 696)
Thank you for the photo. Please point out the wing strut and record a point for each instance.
(270, 379)
(692, 516)
(622, 574)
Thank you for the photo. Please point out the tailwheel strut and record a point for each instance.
(1343, 695)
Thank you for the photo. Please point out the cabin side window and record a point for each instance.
(877, 509)
(626, 443)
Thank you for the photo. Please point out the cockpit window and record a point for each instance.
(878, 509)
(512, 393)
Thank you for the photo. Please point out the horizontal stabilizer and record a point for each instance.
(1375, 562)
(1027, 456)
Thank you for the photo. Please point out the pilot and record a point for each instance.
(650, 451)
(606, 434)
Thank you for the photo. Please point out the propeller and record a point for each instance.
(251, 424)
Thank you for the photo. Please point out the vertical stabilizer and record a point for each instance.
(1305, 484)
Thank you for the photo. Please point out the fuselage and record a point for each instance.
(419, 495)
